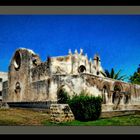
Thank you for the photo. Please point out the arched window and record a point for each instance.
(97, 72)
(17, 87)
(17, 61)
(81, 69)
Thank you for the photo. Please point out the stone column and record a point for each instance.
(122, 100)
(110, 98)
(106, 97)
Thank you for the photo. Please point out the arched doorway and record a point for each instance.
(127, 97)
(117, 93)
(63, 94)
(105, 93)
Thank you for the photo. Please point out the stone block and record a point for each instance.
(60, 114)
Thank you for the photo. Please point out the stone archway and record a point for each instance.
(127, 98)
(116, 96)
(63, 93)
(127, 95)
(105, 93)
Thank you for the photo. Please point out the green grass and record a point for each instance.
(26, 117)
(131, 120)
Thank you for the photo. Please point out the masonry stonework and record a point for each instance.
(3, 78)
(31, 80)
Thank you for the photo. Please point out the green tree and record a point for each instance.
(135, 78)
(114, 75)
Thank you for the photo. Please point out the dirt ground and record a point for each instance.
(26, 117)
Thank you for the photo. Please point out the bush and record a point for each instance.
(62, 96)
(85, 108)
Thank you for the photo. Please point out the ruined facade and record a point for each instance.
(31, 80)
(3, 79)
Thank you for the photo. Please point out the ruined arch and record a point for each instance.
(35, 60)
(63, 91)
(127, 95)
(66, 87)
(106, 84)
(105, 92)
(127, 98)
(117, 86)
(117, 95)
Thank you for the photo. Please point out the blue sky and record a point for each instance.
(116, 38)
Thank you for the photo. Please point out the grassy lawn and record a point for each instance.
(131, 120)
(26, 117)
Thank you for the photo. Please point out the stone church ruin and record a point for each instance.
(33, 83)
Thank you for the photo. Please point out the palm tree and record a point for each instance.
(114, 75)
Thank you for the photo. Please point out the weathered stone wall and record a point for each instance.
(127, 97)
(40, 72)
(30, 80)
(19, 75)
(3, 78)
(32, 104)
(39, 91)
(110, 114)
(61, 65)
(76, 63)
(5, 90)
(75, 84)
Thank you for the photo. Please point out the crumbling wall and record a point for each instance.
(127, 97)
(135, 94)
(74, 84)
(3, 78)
(4, 91)
(30, 80)
(39, 91)
(76, 63)
(61, 65)
(40, 72)
(19, 76)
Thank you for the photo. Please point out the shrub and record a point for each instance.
(63, 96)
(85, 108)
